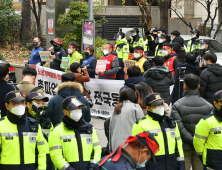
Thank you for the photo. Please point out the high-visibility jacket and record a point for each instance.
(146, 47)
(158, 52)
(208, 138)
(194, 46)
(18, 145)
(137, 42)
(170, 155)
(76, 56)
(75, 148)
(122, 49)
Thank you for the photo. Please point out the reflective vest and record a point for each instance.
(109, 64)
(140, 63)
(76, 56)
(208, 140)
(169, 64)
(137, 43)
(158, 52)
(194, 46)
(19, 143)
(169, 140)
(146, 47)
(122, 49)
(68, 148)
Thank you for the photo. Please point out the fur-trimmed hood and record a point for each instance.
(76, 85)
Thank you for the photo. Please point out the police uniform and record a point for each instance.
(166, 132)
(193, 45)
(20, 139)
(158, 51)
(74, 145)
(208, 138)
(136, 40)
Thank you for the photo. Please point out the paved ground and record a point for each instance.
(99, 126)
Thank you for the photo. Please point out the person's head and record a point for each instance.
(29, 74)
(158, 61)
(142, 147)
(120, 35)
(142, 90)
(174, 34)
(218, 100)
(126, 94)
(135, 31)
(133, 71)
(57, 43)
(68, 77)
(15, 103)
(160, 31)
(36, 42)
(73, 46)
(37, 99)
(195, 33)
(206, 44)
(4, 72)
(190, 57)
(138, 52)
(89, 51)
(162, 38)
(167, 48)
(75, 67)
(191, 82)
(210, 58)
(72, 108)
(108, 48)
(154, 103)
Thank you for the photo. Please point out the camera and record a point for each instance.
(181, 72)
(90, 102)
(38, 109)
(52, 52)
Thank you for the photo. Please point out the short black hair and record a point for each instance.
(74, 66)
(4, 70)
(162, 29)
(68, 77)
(133, 71)
(29, 71)
(175, 32)
(138, 48)
(190, 57)
(168, 44)
(159, 60)
(192, 81)
(210, 56)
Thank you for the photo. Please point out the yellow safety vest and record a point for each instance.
(158, 52)
(194, 46)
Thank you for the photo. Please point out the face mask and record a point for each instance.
(165, 53)
(205, 64)
(76, 114)
(172, 38)
(193, 35)
(158, 35)
(138, 165)
(86, 54)
(160, 40)
(69, 51)
(136, 55)
(105, 52)
(134, 34)
(201, 47)
(35, 44)
(118, 38)
(18, 110)
(55, 47)
(159, 110)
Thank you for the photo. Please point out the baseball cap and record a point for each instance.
(195, 31)
(206, 42)
(14, 97)
(71, 103)
(153, 99)
(134, 29)
(36, 96)
(163, 36)
(218, 96)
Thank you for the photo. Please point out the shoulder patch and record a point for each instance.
(2, 118)
(208, 116)
(140, 119)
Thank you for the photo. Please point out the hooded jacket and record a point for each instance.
(160, 80)
(210, 81)
(66, 89)
(178, 47)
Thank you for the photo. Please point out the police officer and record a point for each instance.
(21, 137)
(208, 137)
(166, 132)
(122, 50)
(35, 101)
(135, 40)
(194, 43)
(159, 47)
(57, 52)
(205, 47)
(149, 43)
(73, 144)
(132, 154)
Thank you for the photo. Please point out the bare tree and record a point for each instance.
(163, 6)
(26, 20)
(219, 18)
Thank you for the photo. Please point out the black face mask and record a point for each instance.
(86, 54)
(35, 44)
(56, 47)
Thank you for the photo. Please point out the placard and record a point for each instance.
(101, 65)
(128, 63)
(45, 55)
(65, 62)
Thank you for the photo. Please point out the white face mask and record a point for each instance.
(159, 110)
(165, 53)
(133, 34)
(193, 35)
(172, 38)
(76, 114)
(118, 38)
(205, 64)
(18, 110)
(69, 51)
(201, 47)
(158, 35)
(105, 52)
(160, 40)
(136, 55)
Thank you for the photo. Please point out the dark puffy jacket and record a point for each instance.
(66, 89)
(188, 111)
(132, 81)
(178, 47)
(55, 64)
(160, 80)
(210, 81)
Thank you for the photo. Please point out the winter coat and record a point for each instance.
(90, 62)
(210, 81)
(35, 56)
(66, 89)
(59, 53)
(188, 111)
(160, 80)
(132, 81)
(178, 47)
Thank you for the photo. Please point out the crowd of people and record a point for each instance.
(143, 132)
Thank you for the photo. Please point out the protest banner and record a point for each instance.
(101, 65)
(45, 55)
(65, 62)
